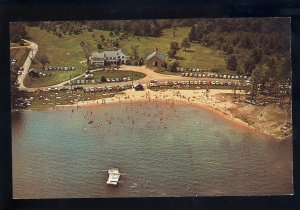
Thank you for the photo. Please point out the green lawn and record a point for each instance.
(21, 55)
(50, 99)
(66, 51)
(196, 56)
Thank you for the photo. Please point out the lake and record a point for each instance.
(160, 149)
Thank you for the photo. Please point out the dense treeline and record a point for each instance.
(135, 27)
(17, 31)
(248, 42)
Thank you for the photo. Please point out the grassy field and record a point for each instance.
(21, 55)
(196, 56)
(66, 51)
(44, 100)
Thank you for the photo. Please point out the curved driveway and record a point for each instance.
(33, 50)
(150, 75)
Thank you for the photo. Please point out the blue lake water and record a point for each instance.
(163, 150)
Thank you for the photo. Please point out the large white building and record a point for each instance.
(108, 57)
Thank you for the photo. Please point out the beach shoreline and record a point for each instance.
(197, 98)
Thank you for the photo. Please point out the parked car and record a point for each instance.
(88, 76)
(64, 88)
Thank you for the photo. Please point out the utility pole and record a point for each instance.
(71, 82)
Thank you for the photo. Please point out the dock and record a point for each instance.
(113, 176)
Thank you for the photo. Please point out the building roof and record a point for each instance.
(104, 54)
(157, 54)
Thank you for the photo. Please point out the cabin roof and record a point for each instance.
(156, 54)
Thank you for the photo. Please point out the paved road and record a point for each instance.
(33, 50)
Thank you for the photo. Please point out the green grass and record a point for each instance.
(65, 98)
(168, 72)
(196, 56)
(21, 55)
(66, 51)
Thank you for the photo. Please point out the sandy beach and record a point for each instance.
(266, 120)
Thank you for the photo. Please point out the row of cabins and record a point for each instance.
(118, 57)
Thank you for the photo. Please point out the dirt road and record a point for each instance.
(33, 51)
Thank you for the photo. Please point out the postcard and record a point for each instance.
(151, 108)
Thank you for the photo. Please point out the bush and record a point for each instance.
(172, 66)
(103, 79)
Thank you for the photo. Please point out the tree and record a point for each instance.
(185, 44)
(249, 65)
(103, 79)
(43, 58)
(172, 66)
(116, 43)
(174, 47)
(229, 50)
(99, 46)
(232, 63)
(102, 38)
(256, 55)
(193, 34)
(259, 76)
(134, 51)
(17, 31)
(116, 32)
(90, 28)
(87, 49)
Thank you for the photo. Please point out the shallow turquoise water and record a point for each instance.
(57, 154)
